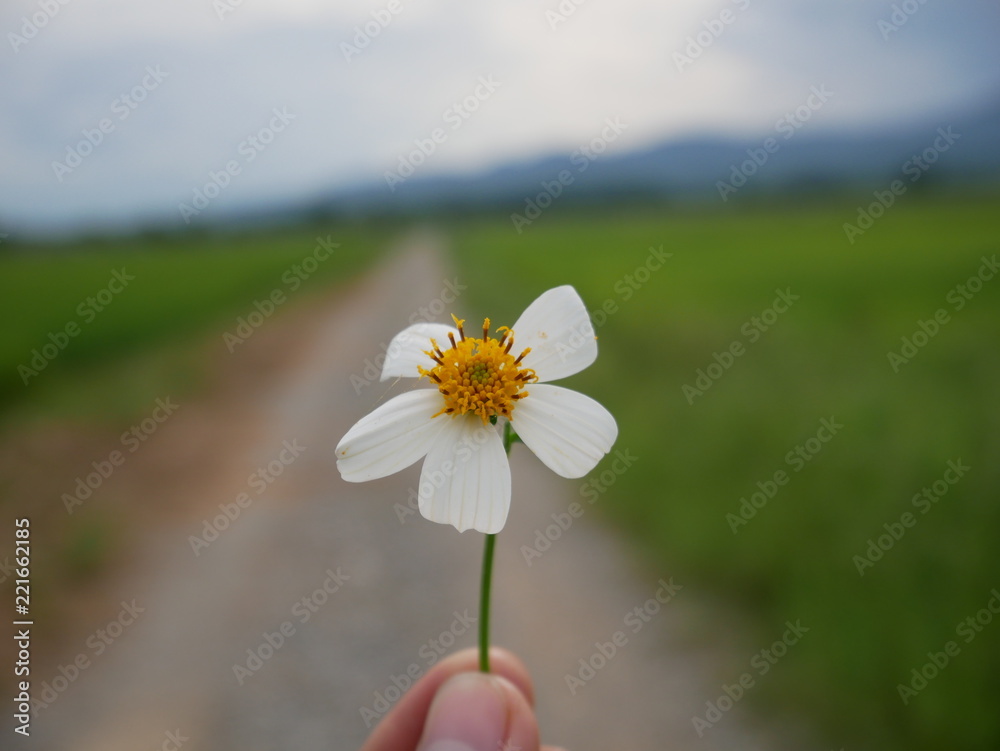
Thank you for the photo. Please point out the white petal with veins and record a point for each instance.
(557, 327)
(391, 438)
(465, 480)
(568, 431)
(406, 350)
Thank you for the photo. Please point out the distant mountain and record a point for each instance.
(957, 149)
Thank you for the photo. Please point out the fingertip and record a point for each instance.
(503, 662)
(522, 725)
(479, 712)
(507, 664)
(405, 723)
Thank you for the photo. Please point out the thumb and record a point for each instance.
(479, 712)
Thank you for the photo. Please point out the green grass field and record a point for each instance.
(824, 357)
(820, 354)
(73, 312)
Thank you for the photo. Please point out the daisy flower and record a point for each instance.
(475, 383)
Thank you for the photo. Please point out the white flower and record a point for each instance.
(465, 480)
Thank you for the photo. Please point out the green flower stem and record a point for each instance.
(509, 437)
(484, 605)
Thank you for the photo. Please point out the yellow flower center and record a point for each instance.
(479, 375)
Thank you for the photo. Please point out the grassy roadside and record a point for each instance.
(121, 324)
(97, 327)
(762, 376)
(704, 442)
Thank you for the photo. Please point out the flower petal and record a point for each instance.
(406, 350)
(465, 480)
(391, 438)
(568, 431)
(557, 327)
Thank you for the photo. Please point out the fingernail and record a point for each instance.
(469, 713)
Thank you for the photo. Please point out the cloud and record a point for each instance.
(365, 80)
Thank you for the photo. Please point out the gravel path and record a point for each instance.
(296, 625)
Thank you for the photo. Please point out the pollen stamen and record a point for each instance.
(479, 375)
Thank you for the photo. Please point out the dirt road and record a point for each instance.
(293, 626)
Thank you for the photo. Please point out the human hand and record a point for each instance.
(454, 707)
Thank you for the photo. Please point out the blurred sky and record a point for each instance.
(224, 66)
